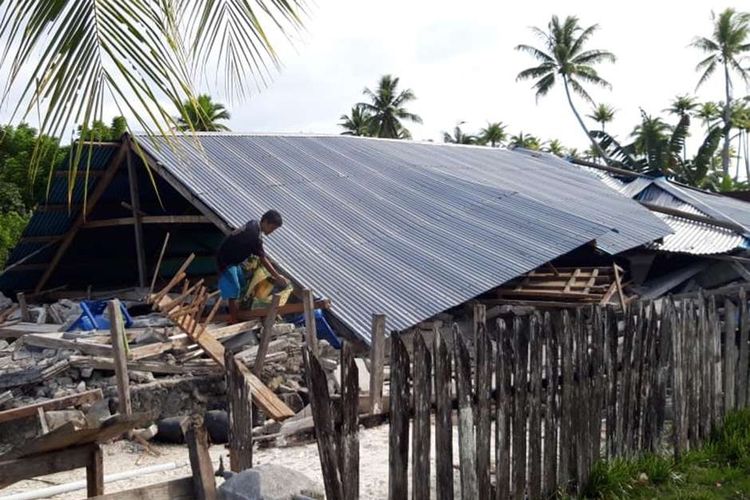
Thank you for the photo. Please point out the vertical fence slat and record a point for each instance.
(729, 354)
(610, 339)
(503, 412)
(631, 434)
(580, 391)
(679, 393)
(421, 434)
(706, 367)
(483, 395)
(325, 433)
(398, 450)
(240, 442)
(566, 465)
(623, 405)
(535, 407)
(597, 384)
(715, 327)
(467, 443)
(742, 372)
(349, 445)
(664, 364)
(443, 420)
(551, 407)
(520, 349)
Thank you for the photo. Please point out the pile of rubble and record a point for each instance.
(169, 373)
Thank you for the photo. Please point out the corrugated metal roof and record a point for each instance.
(697, 238)
(403, 228)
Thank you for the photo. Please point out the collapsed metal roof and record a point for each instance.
(399, 227)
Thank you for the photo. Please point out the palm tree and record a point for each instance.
(147, 59)
(708, 112)
(358, 122)
(525, 141)
(683, 105)
(459, 136)
(563, 56)
(603, 114)
(202, 115)
(726, 47)
(493, 134)
(555, 147)
(387, 109)
(652, 130)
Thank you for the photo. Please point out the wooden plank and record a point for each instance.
(520, 359)
(135, 203)
(295, 308)
(618, 284)
(550, 406)
(550, 293)
(176, 489)
(466, 438)
(53, 404)
(266, 334)
(421, 434)
(743, 396)
(95, 473)
(239, 399)
(377, 359)
(398, 438)
(443, 420)
(42, 420)
(99, 363)
(176, 279)
(572, 280)
(196, 436)
(591, 281)
(320, 403)
(119, 347)
(311, 335)
(535, 403)
(148, 350)
(503, 409)
(55, 341)
(18, 469)
(730, 354)
(349, 444)
(25, 315)
(157, 268)
(147, 219)
(91, 202)
(483, 397)
(566, 469)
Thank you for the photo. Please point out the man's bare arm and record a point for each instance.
(272, 270)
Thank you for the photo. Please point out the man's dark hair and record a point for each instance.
(272, 217)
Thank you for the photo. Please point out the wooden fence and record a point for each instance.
(540, 398)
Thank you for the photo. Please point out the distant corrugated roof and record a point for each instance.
(403, 228)
(690, 236)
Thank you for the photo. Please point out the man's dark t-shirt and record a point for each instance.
(239, 245)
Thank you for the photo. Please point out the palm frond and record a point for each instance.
(594, 57)
(537, 53)
(578, 89)
(536, 72)
(705, 44)
(544, 84)
(707, 73)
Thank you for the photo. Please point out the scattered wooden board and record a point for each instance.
(52, 404)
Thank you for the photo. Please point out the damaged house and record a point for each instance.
(377, 226)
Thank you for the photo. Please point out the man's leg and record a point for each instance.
(229, 288)
(234, 311)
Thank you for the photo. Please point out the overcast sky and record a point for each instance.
(459, 59)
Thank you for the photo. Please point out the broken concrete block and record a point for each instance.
(86, 372)
(147, 433)
(97, 413)
(282, 483)
(244, 485)
(58, 418)
(140, 377)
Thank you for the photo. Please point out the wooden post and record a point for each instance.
(204, 484)
(421, 435)
(135, 205)
(520, 359)
(503, 408)
(466, 441)
(158, 264)
(535, 404)
(483, 395)
(320, 403)
(21, 298)
(377, 358)
(95, 473)
(266, 334)
(743, 386)
(443, 421)
(398, 439)
(566, 401)
(42, 420)
(117, 332)
(551, 419)
(730, 350)
(239, 394)
(349, 444)
(311, 335)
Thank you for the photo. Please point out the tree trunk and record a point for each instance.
(727, 121)
(596, 145)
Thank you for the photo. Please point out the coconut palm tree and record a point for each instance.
(358, 122)
(564, 58)
(387, 108)
(554, 147)
(683, 105)
(202, 115)
(493, 134)
(726, 48)
(525, 141)
(69, 58)
(652, 130)
(459, 136)
(708, 112)
(603, 114)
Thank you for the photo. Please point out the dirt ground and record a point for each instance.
(125, 456)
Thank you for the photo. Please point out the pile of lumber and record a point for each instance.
(593, 285)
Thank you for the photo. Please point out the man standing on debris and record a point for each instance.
(236, 248)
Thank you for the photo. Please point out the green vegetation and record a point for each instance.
(202, 114)
(718, 470)
(383, 114)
